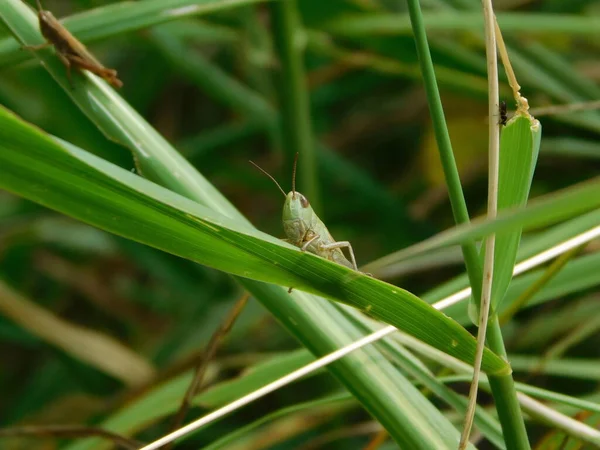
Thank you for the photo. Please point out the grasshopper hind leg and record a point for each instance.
(108, 75)
(342, 244)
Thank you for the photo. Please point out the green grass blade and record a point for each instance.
(577, 368)
(540, 393)
(165, 398)
(577, 276)
(547, 210)
(117, 120)
(460, 21)
(414, 367)
(571, 148)
(535, 64)
(322, 408)
(560, 67)
(442, 137)
(519, 148)
(534, 245)
(128, 205)
(213, 80)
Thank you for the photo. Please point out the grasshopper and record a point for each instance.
(305, 230)
(71, 52)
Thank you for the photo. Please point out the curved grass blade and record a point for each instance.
(550, 209)
(90, 189)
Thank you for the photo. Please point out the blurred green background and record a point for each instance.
(211, 86)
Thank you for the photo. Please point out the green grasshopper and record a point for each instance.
(70, 51)
(305, 230)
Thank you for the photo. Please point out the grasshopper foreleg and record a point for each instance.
(342, 244)
(303, 249)
(310, 241)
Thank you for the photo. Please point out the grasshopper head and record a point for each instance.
(46, 17)
(47, 23)
(48, 26)
(296, 207)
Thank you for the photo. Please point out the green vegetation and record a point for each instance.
(129, 224)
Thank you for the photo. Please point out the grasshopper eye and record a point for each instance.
(303, 201)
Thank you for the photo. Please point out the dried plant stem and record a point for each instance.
(211, 349)
(553, 110)
(522, 103)
(488, 265)
(72, 431)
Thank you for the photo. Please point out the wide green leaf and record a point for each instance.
(519, 148)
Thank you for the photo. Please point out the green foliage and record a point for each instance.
(118, 201)
(110, 225)
(519, 148)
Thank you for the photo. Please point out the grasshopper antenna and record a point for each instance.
(294, 176)
(269, 175)
(39, 5)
